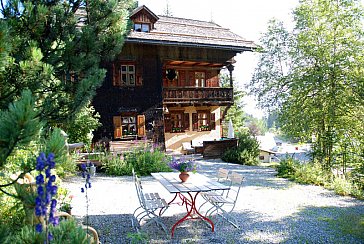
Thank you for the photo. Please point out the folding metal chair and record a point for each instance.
(224, 204)
(222, 177)
(150, 203)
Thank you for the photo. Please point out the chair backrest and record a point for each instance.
(139, 188)
(222, 174)
(236, 179)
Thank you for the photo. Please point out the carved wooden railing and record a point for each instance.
(207, 95)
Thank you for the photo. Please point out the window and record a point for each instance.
(177, 122)
(203, 121)
(141, 27)
(127, 125)
(127, 75)
(199, 79)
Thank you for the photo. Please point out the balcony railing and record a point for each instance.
(193, 95)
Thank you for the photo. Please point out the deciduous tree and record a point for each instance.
(314, 75)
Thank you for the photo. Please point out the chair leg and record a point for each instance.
(154, 218)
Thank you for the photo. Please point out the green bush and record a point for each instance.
(83, 124)
(115, 165)
(143, 161)
(312, 173)
(341, 186)
(11, 216)
(305, 173)
(287, 168)
(246, 153)
(66, 232)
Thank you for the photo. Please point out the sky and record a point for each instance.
(244, 17)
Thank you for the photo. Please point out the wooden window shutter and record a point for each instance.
(141, 125)
(212, 121)
(191, 78)
(186, 121)
(139, 75)
(117, 127)
(113, 75)
(167, 123)
(194, 121)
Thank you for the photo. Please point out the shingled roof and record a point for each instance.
(191, 33)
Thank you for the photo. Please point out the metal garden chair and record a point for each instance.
(224, 204)
(150, 204)
(222, 177)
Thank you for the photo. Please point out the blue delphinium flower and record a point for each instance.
(46, 191)
(87, 176)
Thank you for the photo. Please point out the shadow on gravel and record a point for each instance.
(330, 224)
(311, 225)
(308, 225)
(112, 228)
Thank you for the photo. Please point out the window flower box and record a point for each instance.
(204, 128)
(176, 129)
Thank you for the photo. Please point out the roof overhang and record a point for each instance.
(233, 48)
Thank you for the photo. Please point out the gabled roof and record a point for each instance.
(147, 10)
(190, 33)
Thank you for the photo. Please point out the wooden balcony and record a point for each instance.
(198, 95)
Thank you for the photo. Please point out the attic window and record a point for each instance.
(141, 27)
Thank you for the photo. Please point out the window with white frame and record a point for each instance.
(127, 75)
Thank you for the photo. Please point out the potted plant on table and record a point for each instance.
(184, 166)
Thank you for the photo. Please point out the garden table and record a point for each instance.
(188, 192)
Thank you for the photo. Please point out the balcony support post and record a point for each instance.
(230, 67)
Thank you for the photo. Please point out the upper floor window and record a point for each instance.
(127, 75)
(200, 79)
(141, 27)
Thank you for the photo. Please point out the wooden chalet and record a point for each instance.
(164, 85)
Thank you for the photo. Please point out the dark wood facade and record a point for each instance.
(152, 75)
(152, 90)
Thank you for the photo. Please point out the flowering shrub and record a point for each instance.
(183, 165)
(46, 191)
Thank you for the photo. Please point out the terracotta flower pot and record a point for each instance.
(184, 176)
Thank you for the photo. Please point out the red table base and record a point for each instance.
(191, 209)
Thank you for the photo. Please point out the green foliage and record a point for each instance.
(66, 232)
(50, 59)
(235, 112)
(255, 126)
(308, 173)
(57, 53)
(312, 173)
(139, 237)
(19, 125)
(246, 153)
(115, 165)
(11, 214)
(341, 186)
(287, 168)
(313, 76)
(143, 161)
(81, 128)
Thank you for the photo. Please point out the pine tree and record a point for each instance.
(51, 54)
(56, 51)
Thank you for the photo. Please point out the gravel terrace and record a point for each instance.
(269, 210)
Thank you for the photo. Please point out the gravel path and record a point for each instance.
(269, 210)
